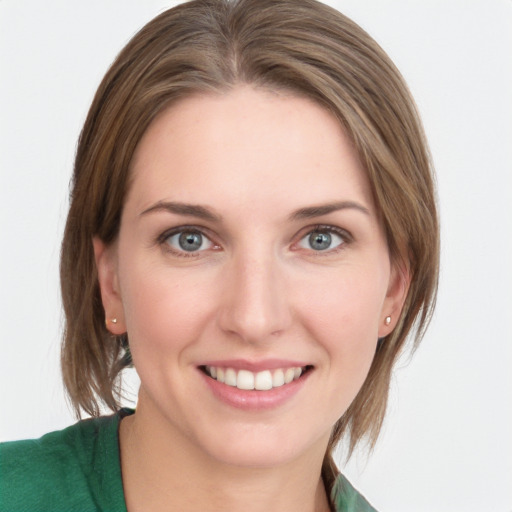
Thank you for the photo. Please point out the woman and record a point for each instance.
(253, 226)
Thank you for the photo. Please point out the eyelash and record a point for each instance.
(162, 240)
(345, 236)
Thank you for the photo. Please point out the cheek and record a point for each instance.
(344, 321)
(343, 316)
(163, 309)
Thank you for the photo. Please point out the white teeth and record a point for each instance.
(278, 378)
(289, 374)
(230, 377)
(245, 380)
(261, 381)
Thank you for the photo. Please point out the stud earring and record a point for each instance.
(387, 320)
(111, 320)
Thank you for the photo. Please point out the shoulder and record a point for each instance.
(347, 499)
(63, 470)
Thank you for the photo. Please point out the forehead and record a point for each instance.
(246, 146)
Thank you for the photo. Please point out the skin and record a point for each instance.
(255, 290)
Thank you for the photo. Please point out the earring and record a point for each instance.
(387, 320)
(111, 320)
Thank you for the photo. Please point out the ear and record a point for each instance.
(106, 265)
(398, 287)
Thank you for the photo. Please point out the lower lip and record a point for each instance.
(254, 400)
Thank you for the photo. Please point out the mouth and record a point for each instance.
(263, 380)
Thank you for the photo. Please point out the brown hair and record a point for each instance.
(212, 45)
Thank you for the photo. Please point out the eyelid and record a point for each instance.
(342, 233)
(164, 236)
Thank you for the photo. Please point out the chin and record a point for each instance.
(265, 447)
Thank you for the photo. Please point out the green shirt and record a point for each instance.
(78, 469)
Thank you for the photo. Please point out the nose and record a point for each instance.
(255, 304)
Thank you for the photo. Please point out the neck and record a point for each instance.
(162, 470)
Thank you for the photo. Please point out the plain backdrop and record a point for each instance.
(447, 442)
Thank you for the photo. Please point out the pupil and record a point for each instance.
(320, 241)
(190, 241)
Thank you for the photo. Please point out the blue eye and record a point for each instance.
(188, 240)
(321, 240)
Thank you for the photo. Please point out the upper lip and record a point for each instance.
(255, 366)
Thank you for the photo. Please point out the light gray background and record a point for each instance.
(447, 442)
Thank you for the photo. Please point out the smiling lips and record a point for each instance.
(261, 381)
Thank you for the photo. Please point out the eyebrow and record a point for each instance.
(324, 209)
(201, 212)
(192, 210)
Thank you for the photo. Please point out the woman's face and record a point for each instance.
(249, 252)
